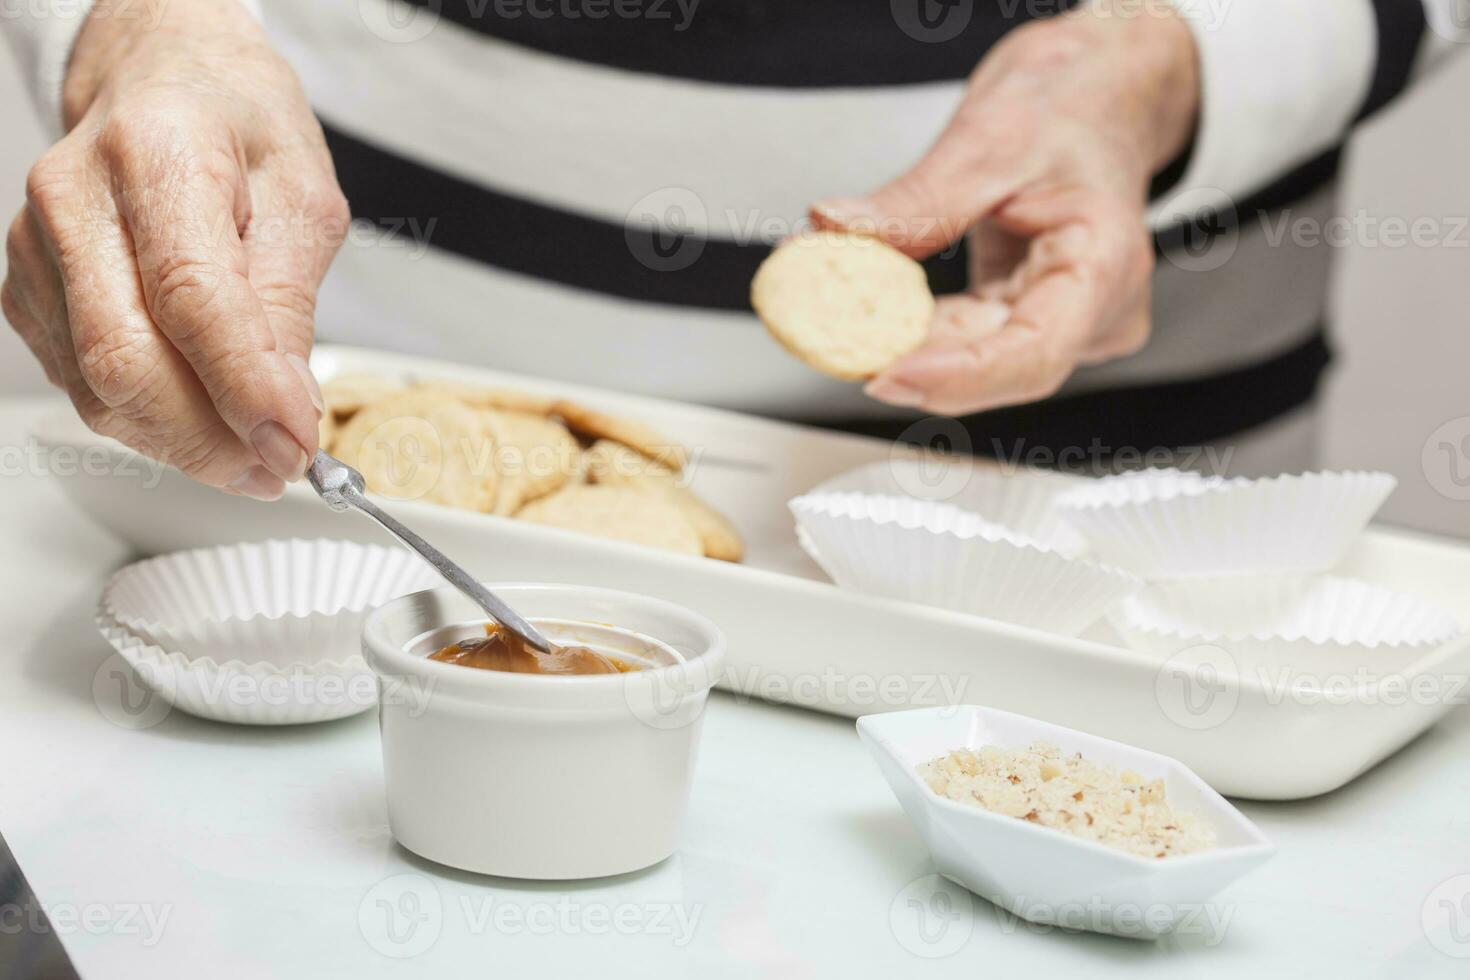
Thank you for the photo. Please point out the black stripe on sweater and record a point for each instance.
(639, 262)
(1199, 233)
(786, 43)
(548, 243)
(1401, 27)
(1074, 431)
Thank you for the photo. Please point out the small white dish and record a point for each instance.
(1164, 524)
(1042, 874)
(941, 555)
(1307, 625)
(529, 776)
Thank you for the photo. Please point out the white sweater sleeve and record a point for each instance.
(41, 33)
(1283, 81)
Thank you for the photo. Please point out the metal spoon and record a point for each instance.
(342, 487)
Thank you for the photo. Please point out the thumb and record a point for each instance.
(931, 206)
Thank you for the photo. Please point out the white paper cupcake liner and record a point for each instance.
(1021, 501)
(1317, 625)
(940, 555)
(247, 694)
(1163, 524)
(275, 602)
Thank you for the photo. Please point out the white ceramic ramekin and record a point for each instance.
(529, 776)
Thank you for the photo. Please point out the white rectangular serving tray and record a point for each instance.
(795, 638)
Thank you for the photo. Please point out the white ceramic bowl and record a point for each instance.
(541, 777)
(1043, 874)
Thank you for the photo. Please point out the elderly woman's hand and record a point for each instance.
(1046, 166)
(165, 268)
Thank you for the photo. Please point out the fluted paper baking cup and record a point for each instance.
(247, 694)
(1163, 524)
(1021, 501)
(273, 602)
(941, 555)
(1321, 625)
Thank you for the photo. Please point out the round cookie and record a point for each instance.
(509, 399)
(346, 394)
(848, 305)
(613, 464)
(620, 513)
(596, 425)
(419, 445)
(534, 455)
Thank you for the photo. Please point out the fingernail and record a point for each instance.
(846, 211)
(280, 451)
(298, 363)
(260, 483)
(895, 393)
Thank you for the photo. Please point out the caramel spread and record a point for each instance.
(502, 650)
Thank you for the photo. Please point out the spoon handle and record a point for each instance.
(342, 487)
(457, 577)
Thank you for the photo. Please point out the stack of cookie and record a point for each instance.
(519, 454)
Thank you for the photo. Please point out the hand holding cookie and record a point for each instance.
(1045, 167)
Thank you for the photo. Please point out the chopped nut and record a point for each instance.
(1042, 786)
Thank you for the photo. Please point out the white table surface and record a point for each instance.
(267, 853)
